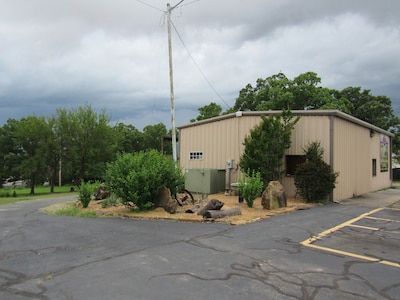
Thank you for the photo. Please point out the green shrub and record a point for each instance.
(314, 179)
(250, 187)
(139, 177)
(85, 193)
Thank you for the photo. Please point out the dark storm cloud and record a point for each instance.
(114, 55)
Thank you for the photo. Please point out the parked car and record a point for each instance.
(10, 183)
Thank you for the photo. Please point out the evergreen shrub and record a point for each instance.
(314, 179)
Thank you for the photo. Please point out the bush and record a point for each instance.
(314, 179)
(85, 193)
(251, 187)
(139, 177)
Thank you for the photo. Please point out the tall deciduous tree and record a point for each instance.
(376, 110)
(208, 111)
(129, 139)
(87, 142)
(266, 144)
(9, 150)
(32, 135)
(153, 135)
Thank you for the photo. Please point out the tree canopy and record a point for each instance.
(278, 92)
(208, 111)
(79, 141)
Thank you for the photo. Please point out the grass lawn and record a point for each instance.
(8, 196)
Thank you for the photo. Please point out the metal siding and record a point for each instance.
(223, 140)
(353, 149)
(307, 130)
(352, 159)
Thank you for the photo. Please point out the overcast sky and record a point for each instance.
(114, 54)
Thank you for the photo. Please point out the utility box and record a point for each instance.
(205, 181)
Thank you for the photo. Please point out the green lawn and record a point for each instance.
(8, 196)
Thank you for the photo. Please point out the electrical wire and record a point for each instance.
(198, 67)
(149, 5)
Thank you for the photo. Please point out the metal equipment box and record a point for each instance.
(205, 181)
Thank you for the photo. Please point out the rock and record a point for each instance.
(274, 196)
(101, 192)
(165, 201)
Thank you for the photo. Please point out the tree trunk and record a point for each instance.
(217, 214)
(213, 204)
(193, 209)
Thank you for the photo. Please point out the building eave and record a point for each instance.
(335, 113)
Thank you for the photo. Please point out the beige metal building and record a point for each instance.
(360, 152)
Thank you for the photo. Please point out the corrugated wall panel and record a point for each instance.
(352, 159)
(223, 140)
(353, 149)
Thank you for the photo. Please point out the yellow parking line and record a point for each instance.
(382, 219)
(309, 242)
(363, 227)
(363, 257)
(340, 226)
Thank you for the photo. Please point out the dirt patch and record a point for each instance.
(248, 215)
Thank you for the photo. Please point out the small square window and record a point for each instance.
(198, 155)
(292, 161)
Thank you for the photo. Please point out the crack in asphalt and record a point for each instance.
(289, 284)
(283, 281)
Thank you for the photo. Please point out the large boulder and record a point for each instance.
(274, 196)
(165, 201)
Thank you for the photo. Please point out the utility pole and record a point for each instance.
(171, 84)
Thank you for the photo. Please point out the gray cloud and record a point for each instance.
(113, 55)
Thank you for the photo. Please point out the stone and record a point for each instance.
(101, 192)
(274, 196)
(165, 201)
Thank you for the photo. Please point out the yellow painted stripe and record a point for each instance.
(392, 208)
(333, 229)
(363, 227)
(363, 257)
(309, 242)
(382, 219)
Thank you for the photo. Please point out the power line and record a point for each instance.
(198, 67)
(172, 8)
(149, 5)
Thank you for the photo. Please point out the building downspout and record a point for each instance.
(331, 148)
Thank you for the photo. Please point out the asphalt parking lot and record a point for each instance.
(337, 251)
(372, 236)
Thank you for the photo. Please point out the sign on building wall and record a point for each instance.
(384, 153)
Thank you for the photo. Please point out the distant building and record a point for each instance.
(358, 151)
